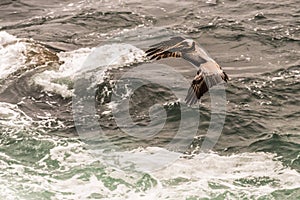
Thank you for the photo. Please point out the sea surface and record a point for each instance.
(85, 115)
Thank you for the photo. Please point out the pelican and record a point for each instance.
(209, 73)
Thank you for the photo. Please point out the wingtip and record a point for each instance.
(191, 97)
(226, 78)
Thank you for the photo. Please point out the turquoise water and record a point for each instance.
(45, 155)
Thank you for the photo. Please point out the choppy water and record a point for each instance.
(43, 45)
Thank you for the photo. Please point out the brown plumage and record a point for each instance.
(209, 73)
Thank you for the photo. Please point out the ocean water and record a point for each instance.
(84, 115)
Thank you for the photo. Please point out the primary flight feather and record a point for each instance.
(209, 73)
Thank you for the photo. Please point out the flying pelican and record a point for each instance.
(209, 73)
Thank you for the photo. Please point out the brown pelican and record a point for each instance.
(209, 73)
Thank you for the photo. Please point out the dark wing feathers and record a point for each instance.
(201, 84)
(209, 74)
(225, 77)
(159, 54)
(175, 47)
(197, 89)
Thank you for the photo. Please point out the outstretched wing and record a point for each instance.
(209, 75)
(177, 47)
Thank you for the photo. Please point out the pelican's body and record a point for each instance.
(209, 73)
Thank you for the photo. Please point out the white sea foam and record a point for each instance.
(111, 56)
(69, 171)
(239, 175)
(6, 38)
(12, 54)
(245, 175)
(11, 115)
(98, 60)
(81, 175)
(59, 81)
(204, 175)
